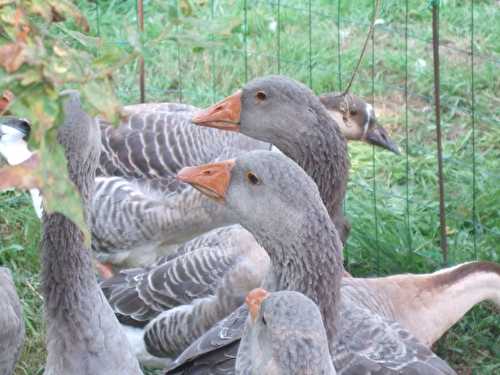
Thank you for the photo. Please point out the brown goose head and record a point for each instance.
(357, 120)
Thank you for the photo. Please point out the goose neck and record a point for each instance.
(322, 153)
(307, 259)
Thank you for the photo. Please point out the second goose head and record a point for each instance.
(357, 120)
(258, 187)
(274, 109)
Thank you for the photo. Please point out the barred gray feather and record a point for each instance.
(206, 279)
(139, 209)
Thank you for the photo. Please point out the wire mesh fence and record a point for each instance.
(393, 202)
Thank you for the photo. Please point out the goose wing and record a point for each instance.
(192, 272)
(215, 352)
(368, 343)
(157, 144)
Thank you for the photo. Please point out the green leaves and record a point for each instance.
(43, 50)
(100, 96)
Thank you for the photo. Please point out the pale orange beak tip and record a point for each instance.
(185, 174)
(254, 301)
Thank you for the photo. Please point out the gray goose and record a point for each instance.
(284, 334)
(137, 168)
(162, 335)
(204, 281)
(12, 332)
(142, 157)
(200, 295)
(272, 197)
(143, 295)
(83, 335)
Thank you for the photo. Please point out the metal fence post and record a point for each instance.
(437, 102)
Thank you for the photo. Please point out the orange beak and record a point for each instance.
(224, 115)
(254, 301)
(21, 176)
(210, 179)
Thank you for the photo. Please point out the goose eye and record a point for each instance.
(261, 96)
(253, 179)
(264, 320)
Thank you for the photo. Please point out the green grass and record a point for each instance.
(208, 63)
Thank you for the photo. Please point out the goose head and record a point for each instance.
(357, 120)
(284, 335)
(274, 109)
(256, 188)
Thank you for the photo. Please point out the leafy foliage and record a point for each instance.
(36, 65)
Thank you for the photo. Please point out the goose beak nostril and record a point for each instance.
(224, 115)
(211, 180)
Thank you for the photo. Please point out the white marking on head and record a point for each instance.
(15, 150)
(369, 115)
(12, 145)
